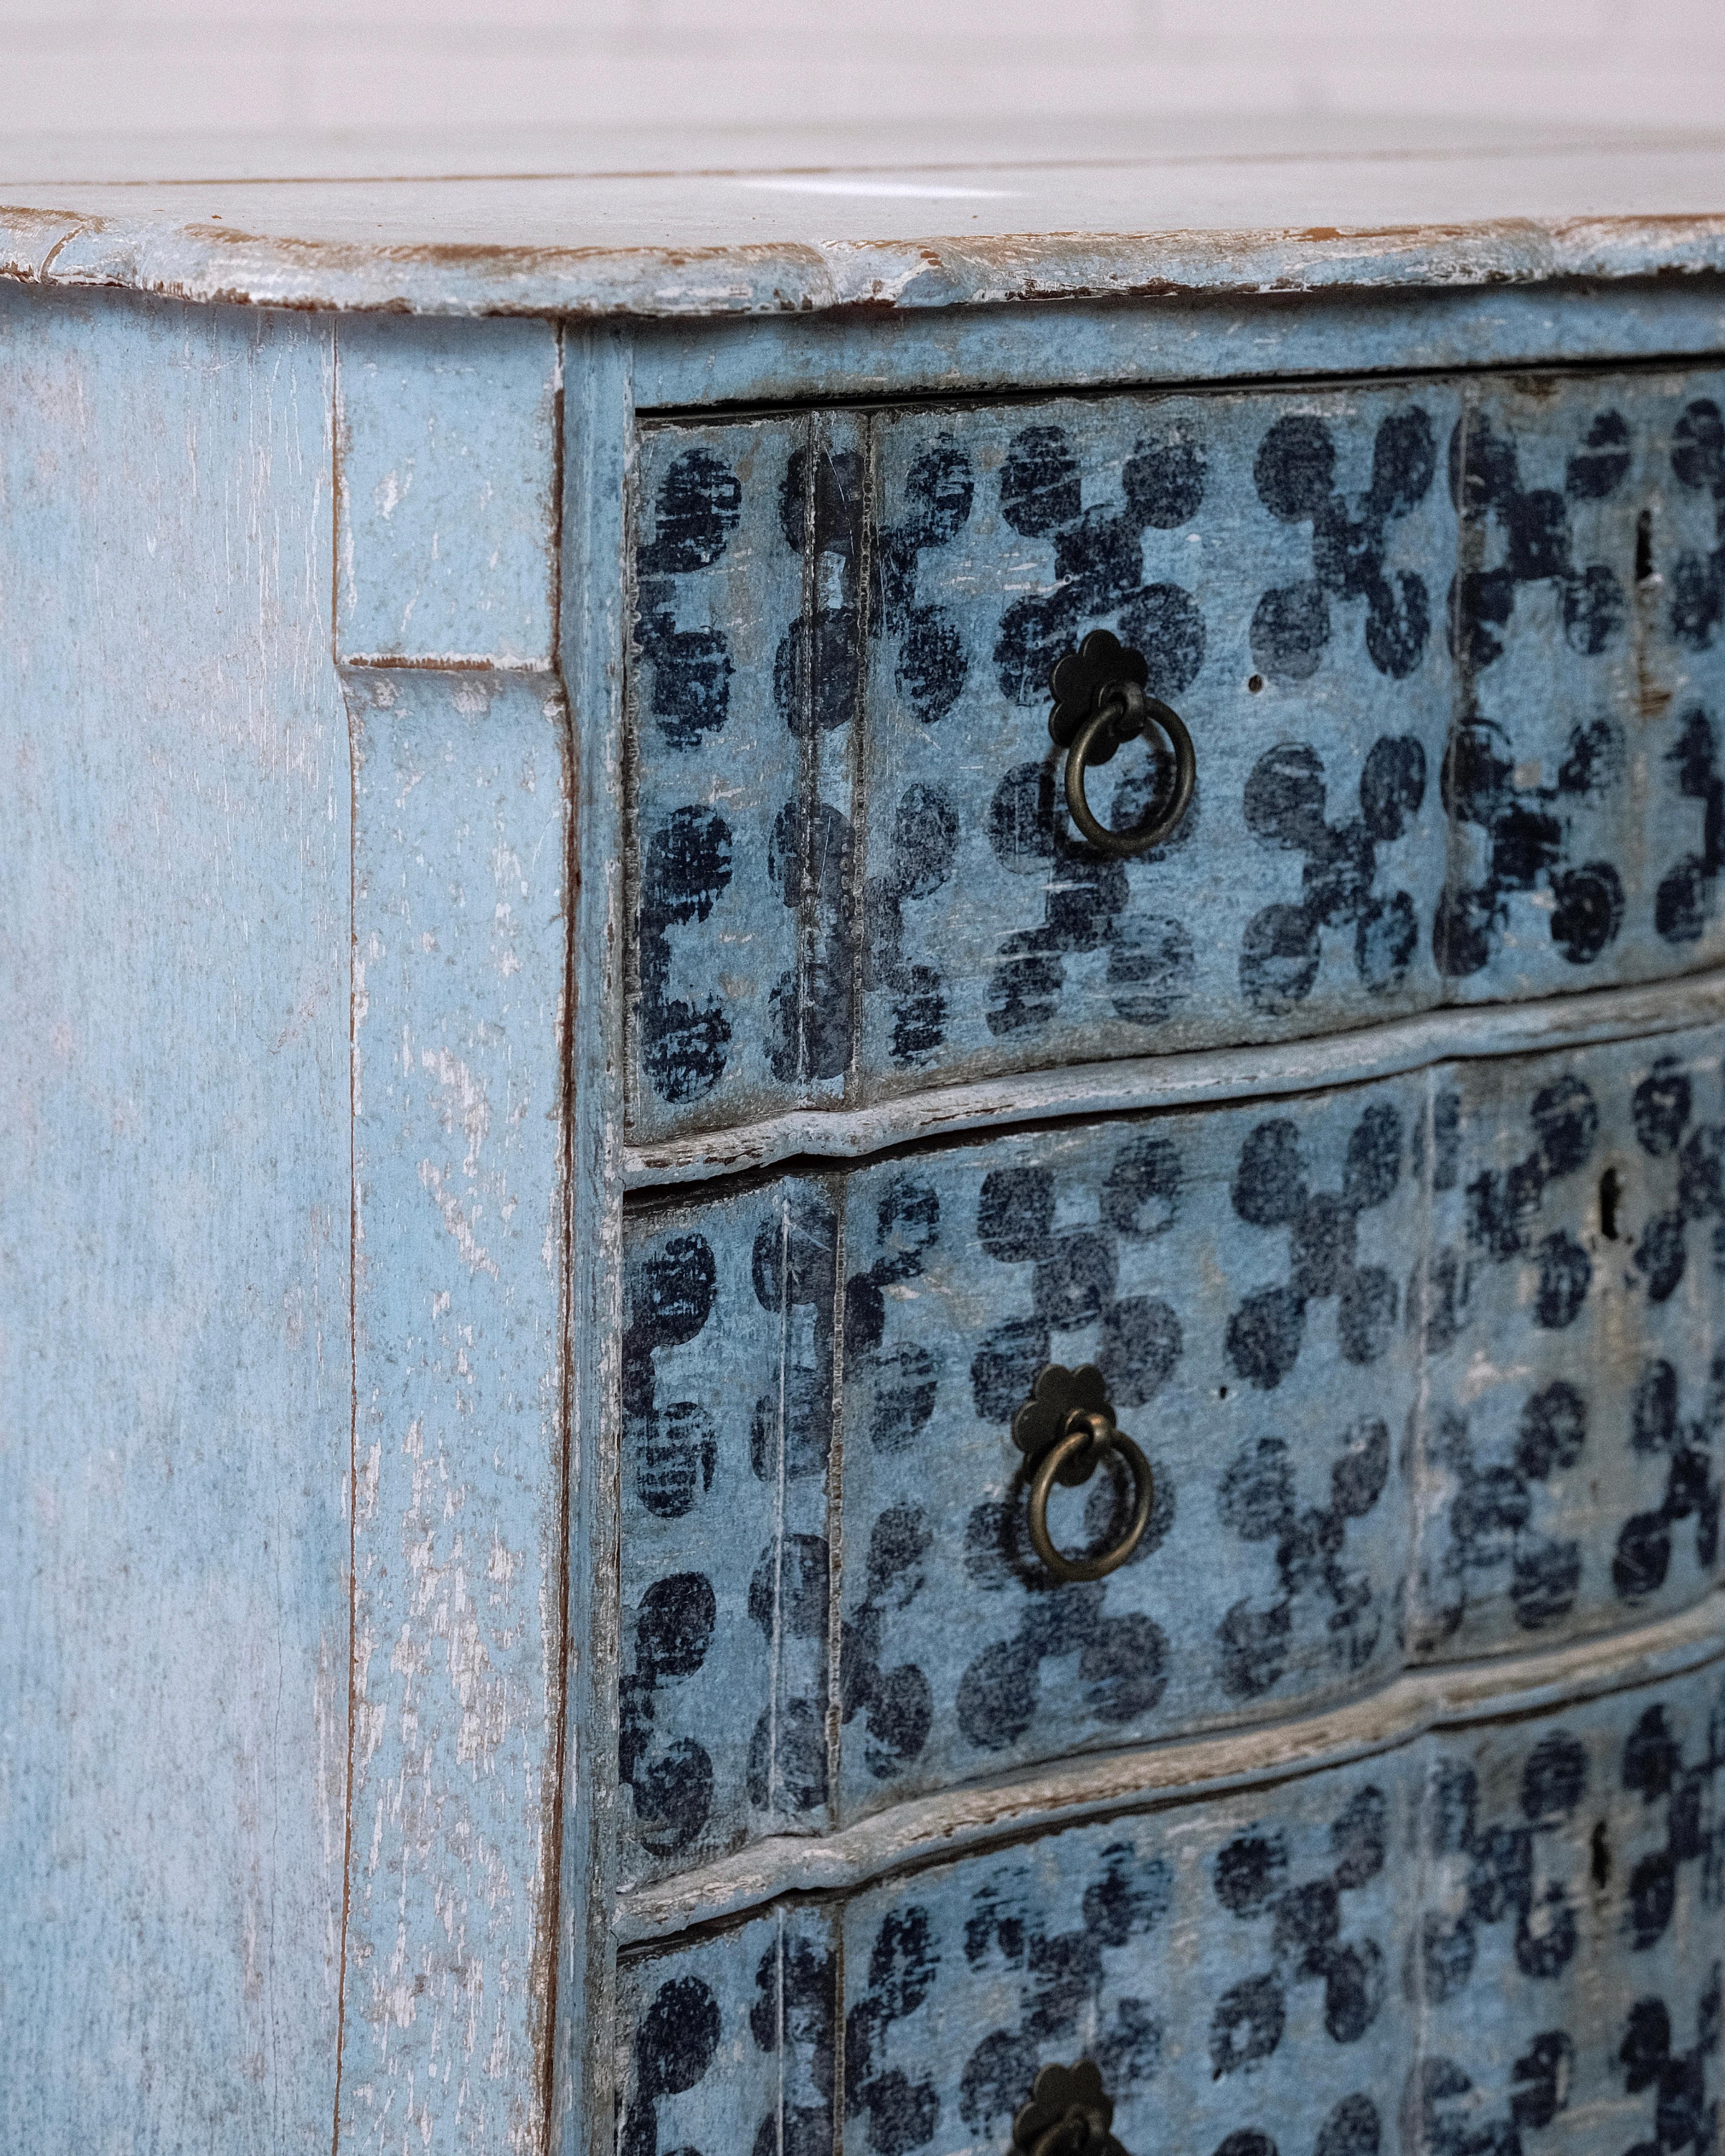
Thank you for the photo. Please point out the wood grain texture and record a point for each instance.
(1448, 651)
(177, 1380)
(1507, 1935)
(460, 924)
(1425, 1368)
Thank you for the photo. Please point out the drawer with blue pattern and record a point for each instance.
(1494, 1939)
(1445, 654)
(984, 1454)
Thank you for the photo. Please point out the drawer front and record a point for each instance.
(1426, 1368)
(1449, 652)
(1496, 1939)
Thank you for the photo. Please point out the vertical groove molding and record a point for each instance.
(445, 588)
(598, 422)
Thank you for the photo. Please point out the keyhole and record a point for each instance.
(1601, 1856)
(1610, 1197)
(1643, 547)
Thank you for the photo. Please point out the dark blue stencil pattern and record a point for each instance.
(1532, 529)
(698, 508)
(1441, 2106)
(1491, 1871)
(795, 2013)
(1690, 1448)
(1272, 1190)
(791, 1431)
(672, 1783)
(1664, 1109)
(808, 1029)
(668, 1299)
(1526, 845)
(1688, 893)
(1257, 1882)
(1285, 802)
(1087, 905)
(932, 664)
(1503, 1204)
(1489, 1525)
(1294, 473)
(925, 840)
(675, 2044)
(820, 514)
(902, 2114)
(1698, 580)
(1655, 1769)
(1061, 1974)
(1683, 2118)
(1099, 560)
(685, 867)
(1255, 1499)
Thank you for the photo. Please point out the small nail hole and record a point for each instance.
(1254, 682)
(1222, 1394)
(1610, 1197)
(1601, 1856)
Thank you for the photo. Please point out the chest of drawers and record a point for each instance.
(714, 1440)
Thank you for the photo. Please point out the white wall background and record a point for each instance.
(250, 66)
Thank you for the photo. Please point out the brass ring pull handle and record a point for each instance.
(1068, 2114)
(1065, 1430)
(1101, 703)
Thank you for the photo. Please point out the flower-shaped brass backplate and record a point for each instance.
(1082, 678)
(1046, 1418)
(1068, 2115)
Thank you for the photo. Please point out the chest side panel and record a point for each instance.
(178, 1376)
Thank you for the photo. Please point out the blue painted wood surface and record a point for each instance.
(446, 493)
(1427, 1367)
(1177, 341)
(1448, 652)
(558, 1530)
(1502, 1937)
(600, 447)
(460, 927)
(178, 1380)
(730, 224)
(462, 800)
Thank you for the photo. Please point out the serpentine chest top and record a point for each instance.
(864, 1221)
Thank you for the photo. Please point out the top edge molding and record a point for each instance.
(770, 229)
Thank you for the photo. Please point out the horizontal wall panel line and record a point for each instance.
(1193, 1078)
(935, 1828)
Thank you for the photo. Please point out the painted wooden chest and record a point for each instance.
(865, 1217)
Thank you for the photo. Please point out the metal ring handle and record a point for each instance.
(1042, 1486)
(1116, 720)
